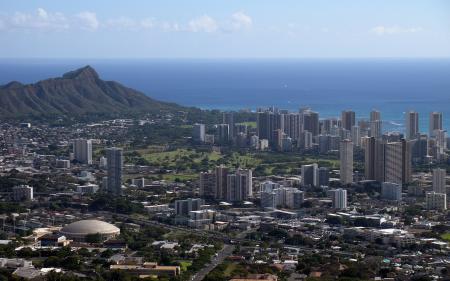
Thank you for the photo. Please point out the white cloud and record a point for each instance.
(42, 13)
(241, 20)
(42, 19)
(202, 24)
(127, 23)
(390, 30)
(122, 23)
(88, 20)
(169, 26)
(147, 23)
(39, 20)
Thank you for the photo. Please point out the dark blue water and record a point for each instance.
(328, 86)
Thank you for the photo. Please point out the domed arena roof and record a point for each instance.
(85, 227)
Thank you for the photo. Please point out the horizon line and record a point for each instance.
(228, 58)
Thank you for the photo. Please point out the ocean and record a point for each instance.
(328, 86)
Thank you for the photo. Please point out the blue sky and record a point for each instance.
(224, 29)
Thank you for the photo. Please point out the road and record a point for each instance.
(226, 251)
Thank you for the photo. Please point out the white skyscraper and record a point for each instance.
(375, 129)
(274, 195)
(436, 201)
(239, 186)
(198, 132)
(339, 198)
(439, 181)
(356, 135)
(114, 158)
(82, 151)
(346, 161)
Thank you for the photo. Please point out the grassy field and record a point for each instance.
(250, 124)
(169, 157)
(446, 237)
(247, 160)
(185, 264)
(180, 177)
(187, 163)
(229, 269)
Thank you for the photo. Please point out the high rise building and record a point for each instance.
(233, 189)
(240, 128)
(346, 161)
(387, 161)
(375, 115)
(280, 196)
(183, 207)
(348, 119)
(292, 125)
(345, 134)
(439, 184)
(254, 141)
(286, 144)
(114, 158)
(369, 158)
(278, 136)
(310, 175)
(339, 198)
(103, 162)
(220, 188)
(328, 124)
(391, 191)
(324, 144)
(374, 160)
(356, 135)
(82, 151)
(267, 122)
(269, 199)
(412, 125)
(376, 129)
(306, 141)
(228, 118)
(207, 184)
(440, 141)
(22, 193)
(435, 122)
(364, 127)
(239, 186)
(198, 132)
(397, 162)
(436, 201)
(324, 176)
(419, 148)
(223, 133)
(310, 122)
(289, 197)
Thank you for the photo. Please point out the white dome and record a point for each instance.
(85, 227)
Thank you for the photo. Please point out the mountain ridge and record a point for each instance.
(77, 92)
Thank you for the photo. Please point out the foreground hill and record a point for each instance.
(76, 93)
